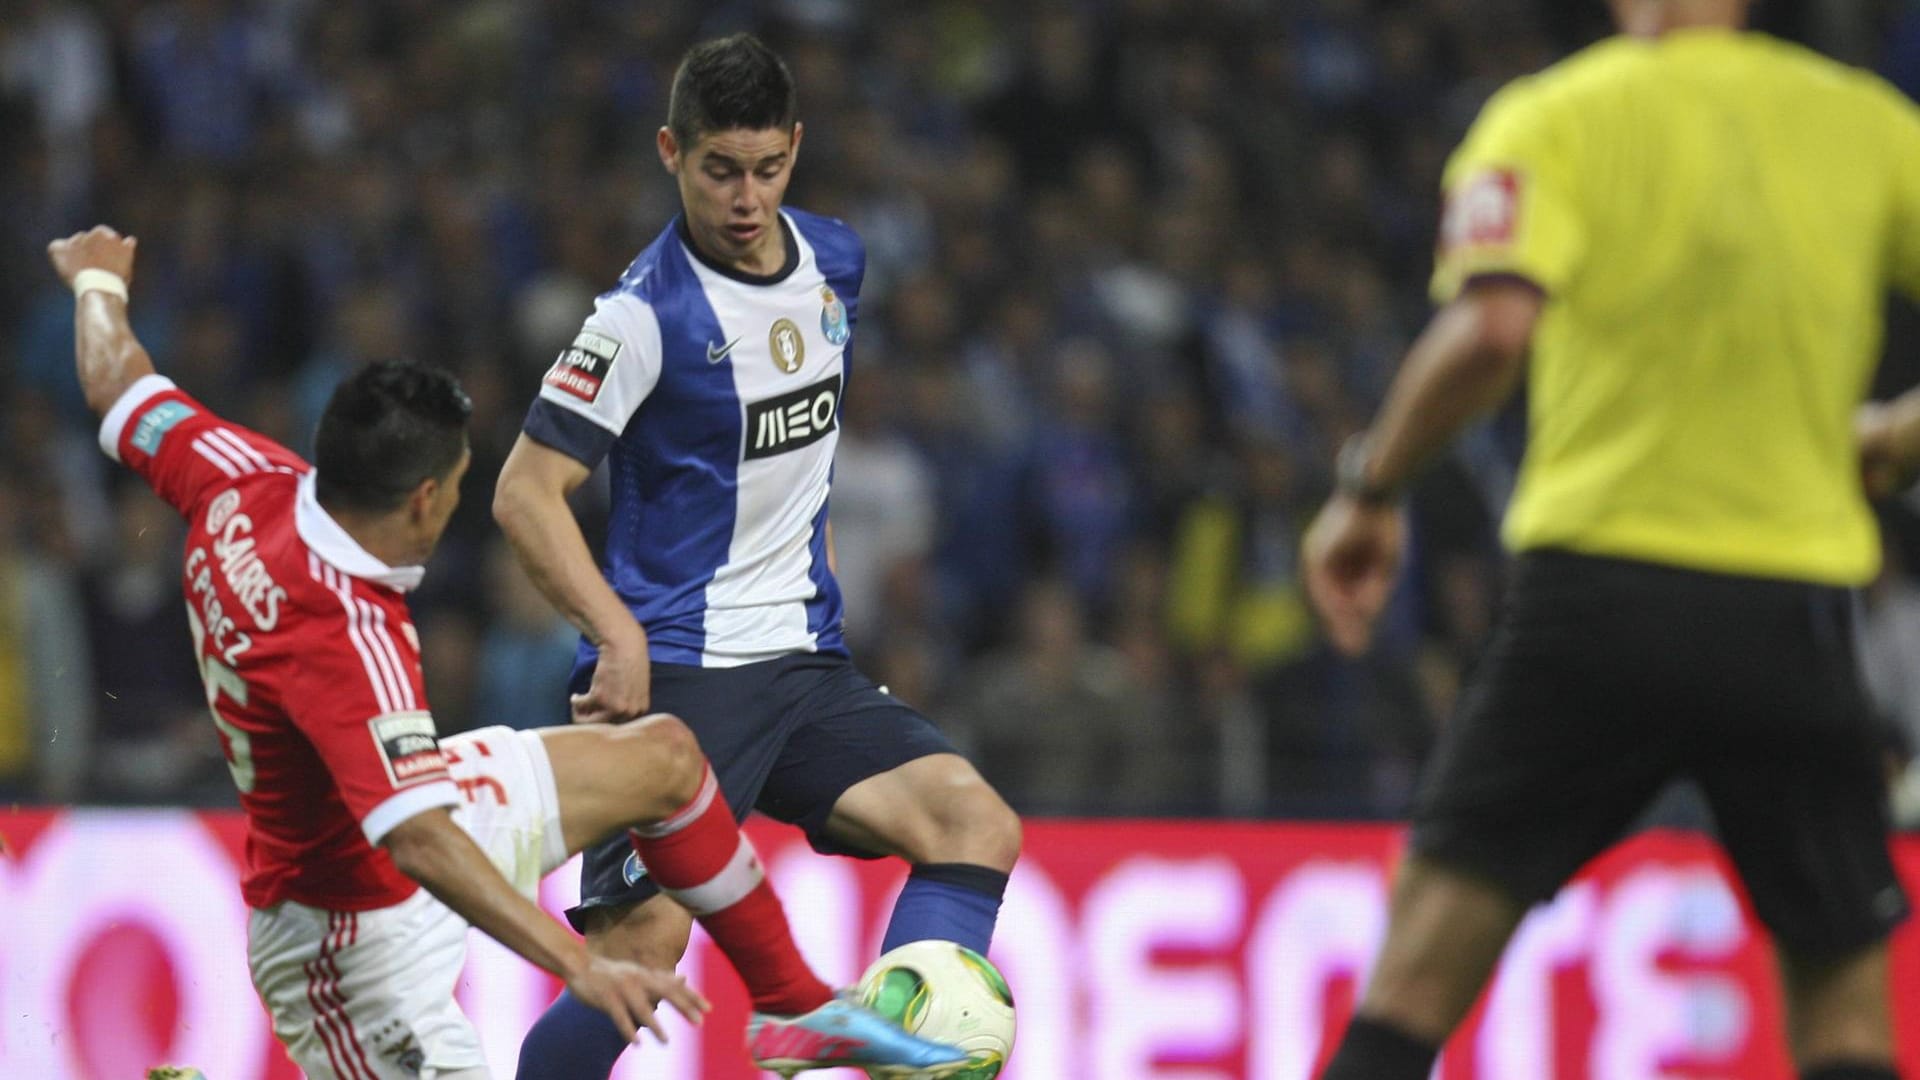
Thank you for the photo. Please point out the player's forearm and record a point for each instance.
(107, 355)
(447, 863)
(1456, 373)
(546, 538)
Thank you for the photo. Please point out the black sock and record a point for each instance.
(1850, 1070)
(1372, 1050)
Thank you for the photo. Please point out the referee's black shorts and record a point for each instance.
(1606, 678)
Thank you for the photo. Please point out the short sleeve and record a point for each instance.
(181, 448)
(358, 697)
(599, 381)
(1510, 204)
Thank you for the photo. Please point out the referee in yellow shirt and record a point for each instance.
(1683, 236)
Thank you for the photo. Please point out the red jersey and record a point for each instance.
(309, 657)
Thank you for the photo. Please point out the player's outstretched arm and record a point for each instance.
(98, 266)
(429, 848)
(530, 503)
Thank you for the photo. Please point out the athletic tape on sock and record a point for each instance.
(741, 876)
(686, 815)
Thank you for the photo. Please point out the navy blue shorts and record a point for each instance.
(786, 737)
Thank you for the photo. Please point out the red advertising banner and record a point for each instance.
(1137, 950)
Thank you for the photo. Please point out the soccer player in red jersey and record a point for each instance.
(371, 844)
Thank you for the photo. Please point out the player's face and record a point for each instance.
(731, 183)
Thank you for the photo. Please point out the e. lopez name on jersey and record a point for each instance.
(246, 576)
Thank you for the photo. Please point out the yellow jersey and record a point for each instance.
(1715, 218)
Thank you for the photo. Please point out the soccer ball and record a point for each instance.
(947, 993)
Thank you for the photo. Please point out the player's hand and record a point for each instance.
(622, 687)
(99, 248)
(628, 993)
(1886, 434)
(1351, 560)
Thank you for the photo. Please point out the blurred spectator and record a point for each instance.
(1889, 638)
(1061, 99)
(153, 738)
(450, 646)
(56, 55)
(1077, 485)
(882, 505)
(1058, 723)
(526, 654)
(46, 673)
(1235, 560)
(202, 71)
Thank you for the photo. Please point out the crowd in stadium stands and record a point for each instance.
(1136, 268)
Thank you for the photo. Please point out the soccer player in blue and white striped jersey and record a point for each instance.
(710, 380)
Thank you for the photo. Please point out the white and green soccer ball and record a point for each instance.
(947, 993)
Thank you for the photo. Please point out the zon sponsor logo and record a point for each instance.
(409, 746)
(582, 367)
(793, 420)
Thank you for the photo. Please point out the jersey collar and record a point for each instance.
(786, 270)
(325, 538)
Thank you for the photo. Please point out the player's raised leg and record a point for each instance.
(651, 775)
(958, 834)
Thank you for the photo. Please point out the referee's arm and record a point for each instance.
(1464, 365)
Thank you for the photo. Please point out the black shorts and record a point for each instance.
(1607, 678)
(786, 737)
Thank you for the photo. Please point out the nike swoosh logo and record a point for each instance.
(714, 355)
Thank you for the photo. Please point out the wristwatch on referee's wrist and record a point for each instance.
(1350, 475)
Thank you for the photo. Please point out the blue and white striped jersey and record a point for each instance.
(716, 395)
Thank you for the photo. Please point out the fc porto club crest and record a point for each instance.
(632, 870)
(788, 347)
(833, 317)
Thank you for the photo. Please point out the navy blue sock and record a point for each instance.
(1374, 1050)
(956, 902)
(571, 1041)
(1851, 1070)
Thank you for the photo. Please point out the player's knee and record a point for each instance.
(654, 933)
(1001, 831)
(971, 823)
(666, 753)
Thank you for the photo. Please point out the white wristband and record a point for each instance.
(106, 281)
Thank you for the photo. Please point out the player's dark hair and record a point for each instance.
(391, 425)
(727, 83)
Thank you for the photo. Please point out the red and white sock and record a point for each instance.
(700, 857)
